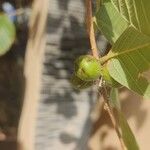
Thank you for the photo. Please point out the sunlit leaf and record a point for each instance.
(127, 135)
(110, 22)
(114, 99)
(7, 33)
(115, 16)
(126, 132)
(130, 59)
(126, 24)
(136, 12)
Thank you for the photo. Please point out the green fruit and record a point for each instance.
(109, 80)
(87, 68)
(80, 84)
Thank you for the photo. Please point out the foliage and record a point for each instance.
(127, 135)
(7, 33)
(126, 26)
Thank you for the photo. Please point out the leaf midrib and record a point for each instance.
(112, 54)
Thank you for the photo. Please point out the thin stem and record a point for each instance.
(90, 31)
(108, 108)
(104, 59)
(90, 28)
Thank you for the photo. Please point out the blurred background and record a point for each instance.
(39, 108)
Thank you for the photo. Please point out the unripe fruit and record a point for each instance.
(109, 80)
(80, 84)
(87, 68)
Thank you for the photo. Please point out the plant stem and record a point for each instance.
(90, 28)
(90, 31)
(108, 108)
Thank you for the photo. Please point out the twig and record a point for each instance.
(90, 31)
(108, 108)
(90, 28)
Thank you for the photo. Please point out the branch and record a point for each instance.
(108, 108)
(90, 28)
(90, 31)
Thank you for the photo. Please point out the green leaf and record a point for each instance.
(7, 34)
(127, 135)
(110, 21)
(136, 12)
(114, 100)
(129, 61)
(126, 24)
(115, 16)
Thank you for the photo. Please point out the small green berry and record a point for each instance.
(87, 68)
(109, 80)
(80, 84)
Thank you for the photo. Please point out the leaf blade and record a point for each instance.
(127, 134)
(136, 12)
(114, 100)
(110, 22)
(7, 33)
(124, 65)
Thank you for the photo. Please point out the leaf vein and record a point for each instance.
(143, 9)
(136, 15)
(116, 54)
(130, 76)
